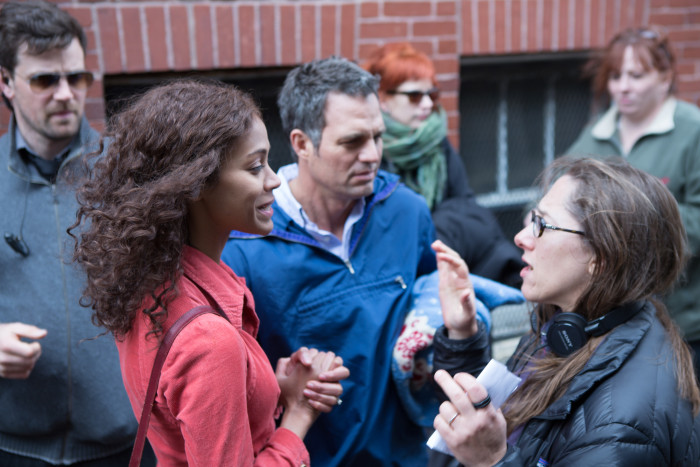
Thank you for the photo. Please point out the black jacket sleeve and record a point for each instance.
(458, 356)
(469, 355)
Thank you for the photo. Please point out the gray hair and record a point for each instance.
(302, 100)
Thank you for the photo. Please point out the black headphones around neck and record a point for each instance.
(570, 331)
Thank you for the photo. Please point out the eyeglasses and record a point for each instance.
(43, 82)
(539, 226)
(415, 97)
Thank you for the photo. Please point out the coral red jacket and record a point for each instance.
(218, 394)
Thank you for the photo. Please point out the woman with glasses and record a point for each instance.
(606, 376)
(657, 133)
(416, 147)
(187, 164)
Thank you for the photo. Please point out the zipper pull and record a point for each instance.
(349, 266)
(400, 281)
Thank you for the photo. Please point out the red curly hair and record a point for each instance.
(397, 63)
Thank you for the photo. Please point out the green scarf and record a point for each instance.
(417, 156)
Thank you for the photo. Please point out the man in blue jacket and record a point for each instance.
(337, 270)
(62, 401)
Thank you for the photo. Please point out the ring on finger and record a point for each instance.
(482, 404)
(339, 401)
(453, 418)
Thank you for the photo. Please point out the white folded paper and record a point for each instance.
(499, 382)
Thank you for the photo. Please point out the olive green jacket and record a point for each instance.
(670, 150)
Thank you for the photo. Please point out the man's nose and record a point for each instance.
(63, 91)
(371, 152)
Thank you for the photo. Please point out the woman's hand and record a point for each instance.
(309, 383)
(476, 437)
(456, 293)
(324, 392)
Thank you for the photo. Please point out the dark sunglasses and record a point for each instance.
(42, 82)
(416, 96)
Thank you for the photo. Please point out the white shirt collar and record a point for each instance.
(289, 204)
(662, 123)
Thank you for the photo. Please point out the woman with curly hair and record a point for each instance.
(185, 165)
(606, 376)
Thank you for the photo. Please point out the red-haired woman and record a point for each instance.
(187, 163)
(416, 147)
(657, 133)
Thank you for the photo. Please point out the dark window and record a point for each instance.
(516, 115)
(263, 85)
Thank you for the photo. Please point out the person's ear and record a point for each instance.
(667, 79)
(591, 266)
(5, 86)
(382, 101)
(301, 144)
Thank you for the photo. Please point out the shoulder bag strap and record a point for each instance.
(163, 350)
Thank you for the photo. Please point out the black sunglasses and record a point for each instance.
(42, 82)
(539, 225)
(416, 96)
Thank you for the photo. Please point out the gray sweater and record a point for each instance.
(73, 407)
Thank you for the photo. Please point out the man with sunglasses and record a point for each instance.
(61, 396)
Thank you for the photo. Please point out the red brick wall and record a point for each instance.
(149, 36)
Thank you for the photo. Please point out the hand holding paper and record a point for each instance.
(499, 382)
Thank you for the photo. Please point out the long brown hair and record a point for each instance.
(162, 151)
(634, 228)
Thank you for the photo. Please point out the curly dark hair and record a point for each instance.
(162, 151)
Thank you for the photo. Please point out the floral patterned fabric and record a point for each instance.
(412, 363)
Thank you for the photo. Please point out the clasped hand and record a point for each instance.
(311, 378)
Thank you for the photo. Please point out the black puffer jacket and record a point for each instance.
(622, 409)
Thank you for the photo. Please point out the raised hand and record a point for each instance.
(456, 293)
